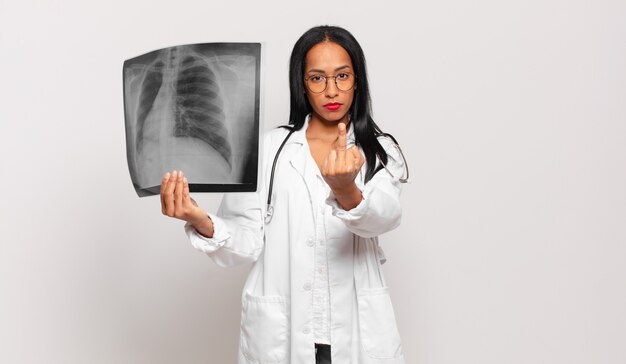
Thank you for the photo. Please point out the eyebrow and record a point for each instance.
(322, 71)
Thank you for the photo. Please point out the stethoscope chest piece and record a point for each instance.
(269, 213)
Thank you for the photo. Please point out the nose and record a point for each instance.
(331, 88)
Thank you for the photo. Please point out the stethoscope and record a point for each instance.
(270, 209)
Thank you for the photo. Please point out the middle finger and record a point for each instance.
(169, 194)
(341, 146)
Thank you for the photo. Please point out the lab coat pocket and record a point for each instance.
(377, 324)
(264, 329)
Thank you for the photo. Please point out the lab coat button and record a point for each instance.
(310, 242)
(306, 331)
(307, 286)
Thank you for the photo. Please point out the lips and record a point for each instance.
(332, 106)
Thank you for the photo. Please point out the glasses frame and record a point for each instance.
(306, 82)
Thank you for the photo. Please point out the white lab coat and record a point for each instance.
(276, 319)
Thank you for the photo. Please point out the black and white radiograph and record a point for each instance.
(194, 108)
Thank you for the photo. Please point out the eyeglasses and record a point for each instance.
(318, 83)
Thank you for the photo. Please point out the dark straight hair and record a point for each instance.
(366, 131)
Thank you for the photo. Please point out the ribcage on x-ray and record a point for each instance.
(199, 107)
(193, 98)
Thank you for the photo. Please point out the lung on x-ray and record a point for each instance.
(194, 108)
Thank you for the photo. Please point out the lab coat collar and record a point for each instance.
(298, 159)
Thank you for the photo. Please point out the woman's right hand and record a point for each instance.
(176, 202)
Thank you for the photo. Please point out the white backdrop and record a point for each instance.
(512, 116)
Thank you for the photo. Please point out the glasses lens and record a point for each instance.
(316, 84)
(345, 81)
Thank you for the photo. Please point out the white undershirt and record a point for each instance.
(320, 288)
(321, 294)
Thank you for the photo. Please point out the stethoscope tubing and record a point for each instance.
(270, 210)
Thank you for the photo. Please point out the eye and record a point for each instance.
(317, 78)
(343, 76)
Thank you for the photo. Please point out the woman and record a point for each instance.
(316, 288)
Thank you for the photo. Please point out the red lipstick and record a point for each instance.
(332, 106)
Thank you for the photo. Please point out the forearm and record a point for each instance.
(203, 225)
(349, 197)
(234, 234)
(378, 212)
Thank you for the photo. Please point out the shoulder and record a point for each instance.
(273, 138)
(385, 140)
(276, 134)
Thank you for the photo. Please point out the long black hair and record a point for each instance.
(365, 129)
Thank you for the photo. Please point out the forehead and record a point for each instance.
(327, 56)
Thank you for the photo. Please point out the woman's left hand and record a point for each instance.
(341, 167)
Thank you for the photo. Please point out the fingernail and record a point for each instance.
(185, 179)
(167, 175)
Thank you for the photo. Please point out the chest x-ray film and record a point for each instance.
(194, 108)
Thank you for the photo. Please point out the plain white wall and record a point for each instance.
(512, 116)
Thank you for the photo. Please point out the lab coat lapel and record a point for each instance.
(300, 160)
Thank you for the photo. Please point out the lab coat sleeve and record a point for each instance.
(238, 230)
(380, 210)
